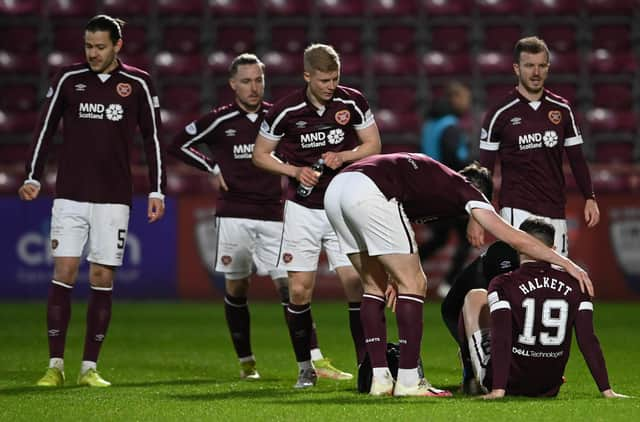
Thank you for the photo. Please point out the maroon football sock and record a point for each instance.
(98, 317)
(58, 315)
(409, 317)
(236, 312)
(357, 334)
(314, 334)
(300, 328)
(374, 329)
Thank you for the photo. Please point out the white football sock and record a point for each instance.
(56, 363)
(408, 377)
(86, 365)
(381, 374)
(316, 354)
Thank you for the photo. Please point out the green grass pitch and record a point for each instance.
(174, 361)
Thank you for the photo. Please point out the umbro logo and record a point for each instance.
(301, 124)
(230, 132)
(80, 87)
(516, 121)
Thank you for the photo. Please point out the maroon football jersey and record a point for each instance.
(304, 133)
(530, 138)
(533, 312)
(426, 188)
(100, 113)
(230, 134)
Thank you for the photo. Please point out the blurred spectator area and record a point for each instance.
(400, 53)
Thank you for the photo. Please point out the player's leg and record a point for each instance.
(236, 241)
(460, 255)
(561, 239)
(476, 319)
(107, 239)
(69, 231)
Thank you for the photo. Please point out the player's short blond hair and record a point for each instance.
(321, 57)
(531, 45)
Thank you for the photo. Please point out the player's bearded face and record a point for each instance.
(100, 51)
(248, 85)
(321, 85)
(532, 71)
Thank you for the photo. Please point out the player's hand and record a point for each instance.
(610, 394)
(155, 209)
(333, 160)
(220, 183)
(28, 191)
(391, 295)
(582, 277)
(475, 233)
(306, 176)
(494, 394)
(591, 213)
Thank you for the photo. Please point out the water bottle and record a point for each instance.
(304, 190)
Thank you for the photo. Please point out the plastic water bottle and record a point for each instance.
(304, 190)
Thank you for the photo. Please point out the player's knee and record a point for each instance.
(237, 287)
(101, 276)
(65, 273)
(475, 297)
(299, 293)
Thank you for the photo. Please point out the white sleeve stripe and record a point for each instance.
(281, 116)
(489, 146)
(501, 304)
(493, 298)
(355, 107)
(575, 140)
(156, 141)
(573, 120)
(54, 98)
(478, 204)
(269, 136)
(495, 117)
(585, 306)
(366, 124)
(213, 125)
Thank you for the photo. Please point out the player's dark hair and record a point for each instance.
(531, 45)
(480, 177)
(540, 229)
(242, 59)
(108, 24)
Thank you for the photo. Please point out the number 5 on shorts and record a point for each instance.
(122, 236)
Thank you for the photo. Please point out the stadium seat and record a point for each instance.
(397, 97)
(569, 91)
(492, 62)
(346, 39)
(501, 37)
(225, 8)
(351, 8)
(12, 153)
(438, 63)
(278, 91)
(604, 120)
(567, 62)
(559, 38)
(609, 7)
(182, 98)
(58, 59)
(175, 121)
(615, 96)
(61, 8)
(287, 7)
(351, 64)
(454, 39)
(614, 152)
(140, 61)
(493, 92)
(218, 62)
(20, 8)
(180, 7)
(292, 39)
(181, 39)
(19, 63)
(236, 39)
(19, 97)
(447, 7)
(68, 38)
(391, 121)
(396, 39)
(501, 7)
(19, 39)
(394, 7)
(13, 122)
(174, 64)
(555, 7)
(224, 94)
(611, 37)
(386, 63)
(607, 61)
(135, 39)
(282, 63)
(121, 8)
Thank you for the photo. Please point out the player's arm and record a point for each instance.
(185, 144)
(369, 145)
(149, 123)
(264, 158)
(50, 116)
(529, 245)
(501, 340)
(580, 171)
